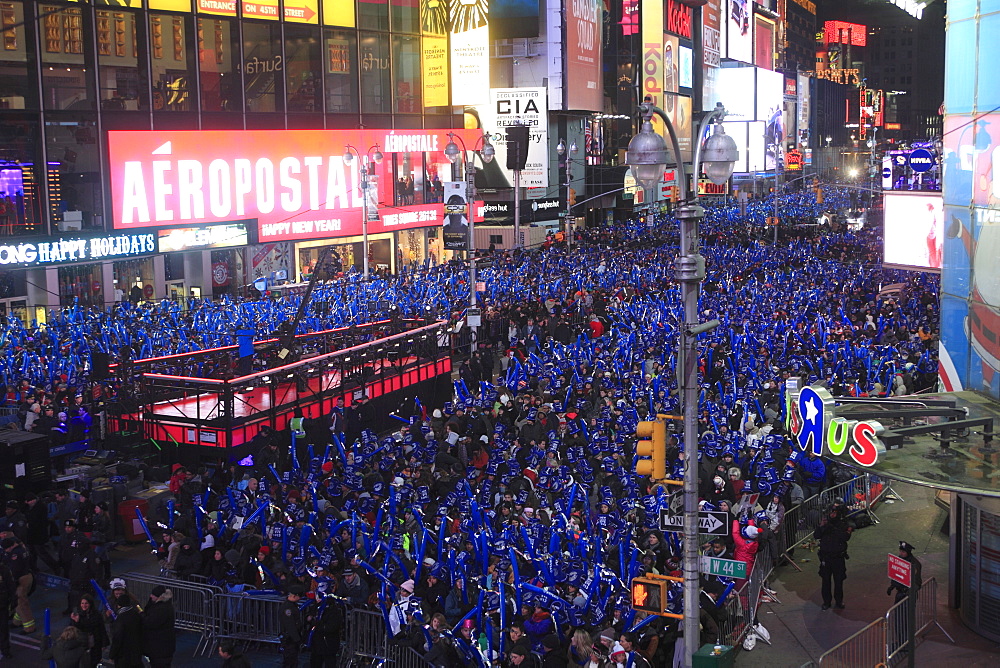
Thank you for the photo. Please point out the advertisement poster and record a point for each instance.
(270, 258)
(294, 183)
(671, 71)
(652, 56)
(739, 30)
(764, 42)
(470, 52)
(584, 88)
(519, 106)
(712, 40)
(511, 19)
(456, 220)
(680, 117)
(434, 47)
(914, 230)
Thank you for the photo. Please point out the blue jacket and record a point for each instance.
(813, 470)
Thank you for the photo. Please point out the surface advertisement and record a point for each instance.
(455, 225)
(914, 230)
(519, 106)
(295, 183)
(470, 54)
(671, 71)
(584, 88)
(652, 56)
(712, 40)
(739, 30)
(434, 47)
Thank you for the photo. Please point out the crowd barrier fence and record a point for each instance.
(883, 641)
(192, 602)
(367, 643)
(249, 620)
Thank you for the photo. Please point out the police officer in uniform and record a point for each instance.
(16, 557)
(291, 627)
(833, 534)
(326, 617)
(906, 552)
(84, 566)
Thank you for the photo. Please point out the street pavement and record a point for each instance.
(801, 631)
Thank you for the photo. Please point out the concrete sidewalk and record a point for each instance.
(801, 631)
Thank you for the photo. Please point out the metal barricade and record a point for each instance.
(801, 521)
(192, 602)
(864, 649)
(735, 622)
(247, 619)
(406, 657)
(367, 635)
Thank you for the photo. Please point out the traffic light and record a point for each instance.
(649, 595)
(572, 198)
(655, 449)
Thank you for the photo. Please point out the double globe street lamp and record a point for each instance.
(647, 156)
(374, 155)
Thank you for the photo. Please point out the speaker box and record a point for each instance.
(100, 362)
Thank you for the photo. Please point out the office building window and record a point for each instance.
(376, 74)
(17, 90)
(404, 16)
(121, 83)
(373, 15)
(75, 185)
(406, 65)
(302, 69)
(218, 58)
(341, 67)
(263, 67)
(171, 53)
(64, 74)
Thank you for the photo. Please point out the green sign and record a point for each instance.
(727, 568)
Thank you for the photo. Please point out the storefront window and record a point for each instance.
(218, 54)
(20, 176)
(64, 72)
(410, 251)
(172, 76)
(81, 284)
(262, 67)
(302, 51)
(134, 278)
(17, 90)
(341, 57)
(406, 63)
(121, 83)
(373, 15)
(376, 74)
(405, 16)
(228, 276)
(410, 184)
(75, 186)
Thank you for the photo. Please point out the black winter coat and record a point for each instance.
(159, 640)
(126, 638)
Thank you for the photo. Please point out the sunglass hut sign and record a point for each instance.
(815, 427)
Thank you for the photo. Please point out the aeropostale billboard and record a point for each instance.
(294, 182)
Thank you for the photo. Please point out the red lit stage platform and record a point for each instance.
(187, 410)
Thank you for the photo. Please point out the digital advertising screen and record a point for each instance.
(584, 20)
(739, 30)
(736, 92)
(914, 231)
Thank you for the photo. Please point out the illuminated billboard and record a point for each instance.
(914, 230)
(736, 92)
(739, 30)
(840, 32)
(584, 88)
(511, 19)
(519, 106)
(294, 182)
(470, 53)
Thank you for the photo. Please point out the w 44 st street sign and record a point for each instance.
(710, 522)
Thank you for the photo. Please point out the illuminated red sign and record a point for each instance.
(294, 182)
(839, 32)
(679, 18)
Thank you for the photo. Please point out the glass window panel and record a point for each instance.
(64, 74)
(121, 83)
(376, 79)
(373, 14)
(16, 89)
(20, 176)
(302, 68)
(405, 15)
(171, 44)
(75, 183)
(218, 56)
(409, 179)
(406, 61)
(341, 49)
(262, 66)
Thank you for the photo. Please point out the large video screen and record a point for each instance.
(914, 231)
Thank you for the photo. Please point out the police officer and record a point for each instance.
(326, 617)
(16, 557)
(833, 534)
(906, 552)
(84, 566)
(14, 521)
(291, 627)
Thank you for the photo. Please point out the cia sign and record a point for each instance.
(921, 160)
(816, 428)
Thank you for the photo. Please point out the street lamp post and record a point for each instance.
(454, 155)
(374, 154)
(648, 156)
(561, 150)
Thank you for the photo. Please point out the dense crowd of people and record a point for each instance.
(506, 524)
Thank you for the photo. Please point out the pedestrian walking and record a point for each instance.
(126, 634)
(159, 639)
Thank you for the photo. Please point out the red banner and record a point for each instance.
(295, 183)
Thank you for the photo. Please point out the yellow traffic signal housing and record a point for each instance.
(655, 449)
(572, 197)
(649, 595)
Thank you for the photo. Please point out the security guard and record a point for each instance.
(291, 627)
(833, 534)
(84, 566)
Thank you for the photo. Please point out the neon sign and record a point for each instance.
(816, 428)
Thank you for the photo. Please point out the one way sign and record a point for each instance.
(712, 523)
